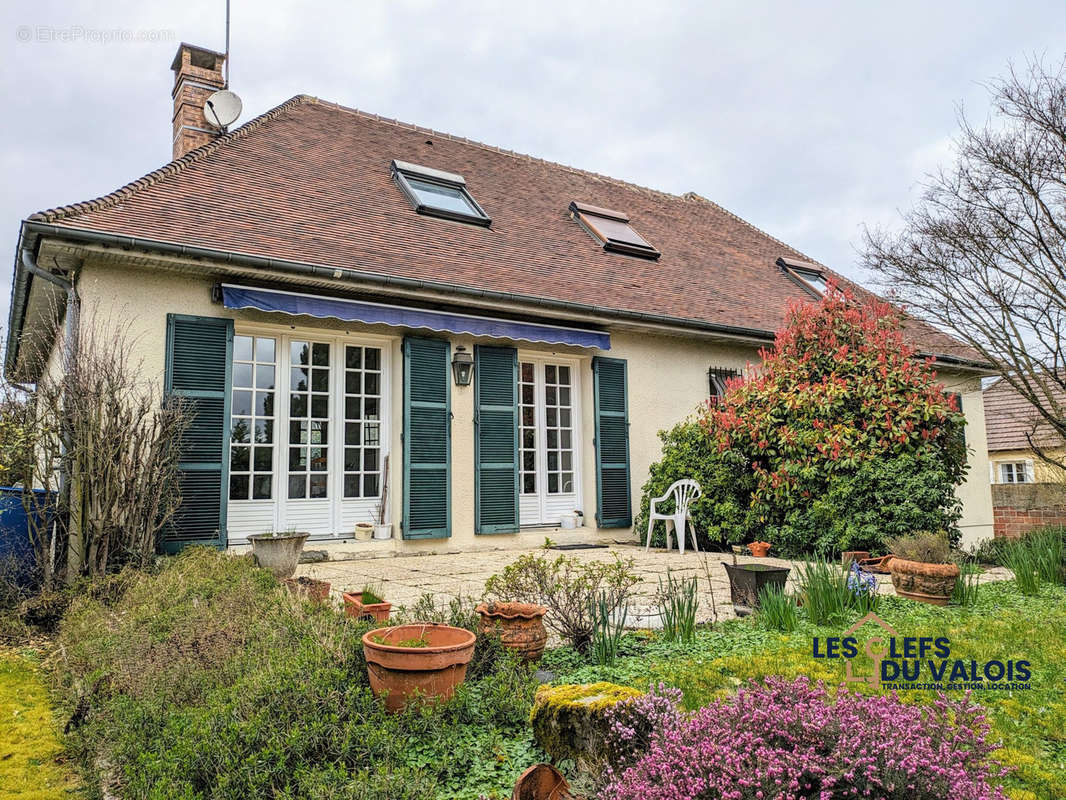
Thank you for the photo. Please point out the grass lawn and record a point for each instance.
(1004, 624)
(29, 747)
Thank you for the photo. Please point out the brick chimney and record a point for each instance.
(197, 74)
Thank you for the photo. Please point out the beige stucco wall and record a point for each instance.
(667, 381)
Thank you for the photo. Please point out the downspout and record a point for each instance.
(69, 486)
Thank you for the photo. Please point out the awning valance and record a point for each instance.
(298, 304)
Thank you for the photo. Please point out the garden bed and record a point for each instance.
(211, 679)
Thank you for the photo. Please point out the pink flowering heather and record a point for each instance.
(786, 739)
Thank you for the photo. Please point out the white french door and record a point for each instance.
(308, 433)
(549, 425)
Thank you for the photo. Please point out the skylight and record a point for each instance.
(810, 276)
(612, 228)
(438, 194)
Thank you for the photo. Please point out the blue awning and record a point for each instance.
(311, 305)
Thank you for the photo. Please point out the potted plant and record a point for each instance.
(382, 530)
(746, 582)
(921, 567)
(363, 531)
(426, 659)
(520, 626)
(366, 604)
(311, 588)
(759, 549)
(278, 552)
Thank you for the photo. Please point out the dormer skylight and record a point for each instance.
(438, 194)
(612, 229)
(810, 276)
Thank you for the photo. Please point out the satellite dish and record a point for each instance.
(222, 109)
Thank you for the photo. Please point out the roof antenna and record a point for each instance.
(223, 108)
(227, 44)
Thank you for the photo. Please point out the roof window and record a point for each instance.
(612, 228)
(438, 194)
(810, 276)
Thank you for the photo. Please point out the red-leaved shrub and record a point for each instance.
(784, 739)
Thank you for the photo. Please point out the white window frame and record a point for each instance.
(1026, 465)
(280, 512)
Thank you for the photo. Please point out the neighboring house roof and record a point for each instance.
(1010, 418)
(310, 182)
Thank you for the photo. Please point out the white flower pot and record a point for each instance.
(383, 531)
(363, 531)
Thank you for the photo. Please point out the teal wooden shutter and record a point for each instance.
(198, 366)
(613, 506)
(496, 439)
(427, 439)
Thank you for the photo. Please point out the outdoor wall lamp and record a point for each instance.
(462, 366)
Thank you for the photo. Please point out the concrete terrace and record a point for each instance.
(403, 579)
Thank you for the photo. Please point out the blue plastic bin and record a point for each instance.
(15, 545)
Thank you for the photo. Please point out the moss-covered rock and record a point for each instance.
(569, 722)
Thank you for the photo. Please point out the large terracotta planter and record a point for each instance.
(401, 674)
(278, 552)
(927, 583)
(355, 607)
(520, 626)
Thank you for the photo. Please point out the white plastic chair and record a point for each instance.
(684, 492)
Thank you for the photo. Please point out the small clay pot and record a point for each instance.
(520, 626)
(541, 782)
(355, 607)
(311, 588)
(927, 583)
(430, 673)
(759, 549)
(853, 555)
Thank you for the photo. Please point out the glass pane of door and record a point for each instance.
(252, 418)
(527, 431)
(309, 394)
(362, 421)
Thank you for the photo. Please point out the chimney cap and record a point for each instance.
(205, 56)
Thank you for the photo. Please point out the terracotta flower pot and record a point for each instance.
(520, 626)
(355, 607)
(927, 583)
(312, 588)
(853, 555)
(431, 672)
(759, 549)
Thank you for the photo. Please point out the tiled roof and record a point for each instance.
(1009, 417)
(310, 181)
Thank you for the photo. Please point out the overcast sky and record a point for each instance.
(806, 119)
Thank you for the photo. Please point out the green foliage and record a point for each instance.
(608, 624)
(569, 588)
(927, 547)
(966, 588)
(209, 680)
(1038, 557)
(371, 595)
(722, 514)
(827, 594)
(880, 499)
(678, 602)
(777, 610)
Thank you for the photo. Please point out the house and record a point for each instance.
(334, 289)
(1027, 492)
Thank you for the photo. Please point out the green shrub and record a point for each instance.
(881, 499)
(569, 588)
(924, 546)
(209, 679)
(1049, 550)
(966, 588)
